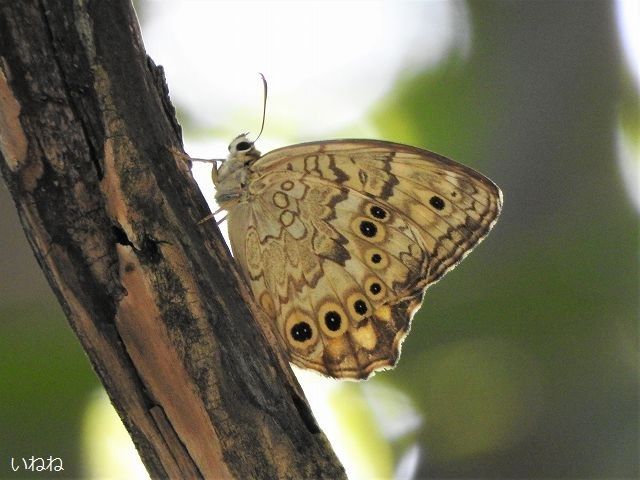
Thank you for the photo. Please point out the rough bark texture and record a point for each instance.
(86, 131)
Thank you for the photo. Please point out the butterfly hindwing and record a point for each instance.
(330, 264)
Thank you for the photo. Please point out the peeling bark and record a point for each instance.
(86, 134)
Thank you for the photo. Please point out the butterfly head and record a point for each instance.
(231, 177)
(242, 150)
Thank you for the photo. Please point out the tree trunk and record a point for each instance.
(86, 134)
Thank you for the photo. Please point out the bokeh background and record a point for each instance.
(523, 362)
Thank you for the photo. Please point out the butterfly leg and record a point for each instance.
(212, 215)
(180, 155)
(214, 166)
(189, 160)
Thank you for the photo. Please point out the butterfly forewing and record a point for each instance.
(453, 205)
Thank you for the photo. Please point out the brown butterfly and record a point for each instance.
(339, 239)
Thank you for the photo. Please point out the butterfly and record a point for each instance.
(339, 239)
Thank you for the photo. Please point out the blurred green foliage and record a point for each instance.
(524, 361)
(45, 381)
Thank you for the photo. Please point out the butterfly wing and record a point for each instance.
(339, 240)
(453, 205)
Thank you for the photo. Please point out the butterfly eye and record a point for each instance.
(357, 305)
(376, 259)
(332, 319)
(378, 212)
(373, 287)
(360, 306)
(301, 332)
(368, 229)
(436, 202)
(243, 146)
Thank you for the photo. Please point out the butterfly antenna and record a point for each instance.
(264, 105)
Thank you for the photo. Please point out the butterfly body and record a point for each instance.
(339, 239)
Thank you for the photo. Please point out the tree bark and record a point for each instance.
(86, 134)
